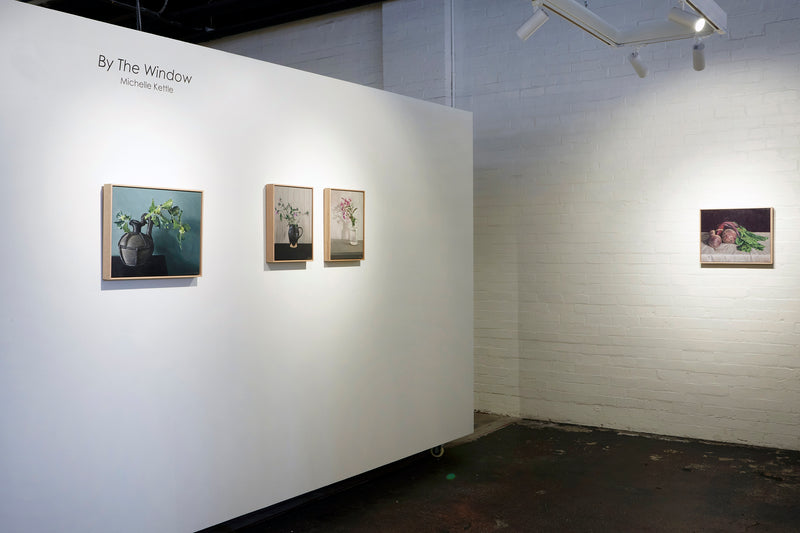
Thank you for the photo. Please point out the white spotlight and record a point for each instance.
(699, 56)
(684, 18)
(638, 65)
(530, 26)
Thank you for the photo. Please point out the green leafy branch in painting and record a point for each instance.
(166, 216)
(747, 240)
(287, 212)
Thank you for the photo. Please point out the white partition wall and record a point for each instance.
(173, 405)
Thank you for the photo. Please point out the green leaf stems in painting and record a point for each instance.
(166, 216)
(747, 240)
(122, 222)
(288, 213)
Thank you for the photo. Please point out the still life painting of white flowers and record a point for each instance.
(290, 228)
(344, 225)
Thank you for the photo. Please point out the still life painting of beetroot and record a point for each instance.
(736, 236)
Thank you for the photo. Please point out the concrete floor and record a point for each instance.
(516, 475)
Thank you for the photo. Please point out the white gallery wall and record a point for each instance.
(590, 303)
(173, 405)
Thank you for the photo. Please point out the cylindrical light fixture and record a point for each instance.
(699, 56)
(530, 26)
(638, 65)
(684, 18)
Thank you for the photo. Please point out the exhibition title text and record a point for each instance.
(160, 75)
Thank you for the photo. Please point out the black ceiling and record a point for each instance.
(197, 21)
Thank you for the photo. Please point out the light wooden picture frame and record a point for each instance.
(737, 236)
(151, 233)
(344, 224)
(290, 223)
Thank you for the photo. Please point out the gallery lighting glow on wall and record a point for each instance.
(705, 19)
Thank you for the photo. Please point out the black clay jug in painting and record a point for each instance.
(295, 232)
(135, 247)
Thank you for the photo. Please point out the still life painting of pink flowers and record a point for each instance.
(344, 225)
(347, 210)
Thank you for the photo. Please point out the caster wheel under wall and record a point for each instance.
(437, 451)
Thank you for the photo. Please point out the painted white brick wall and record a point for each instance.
(416, 49)
(345, 45)
(588, 184)
(590, 303)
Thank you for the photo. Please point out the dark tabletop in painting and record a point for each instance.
(156, 266)
(284, 252)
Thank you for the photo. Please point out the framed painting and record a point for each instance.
(737, 236)
(344, 225)
(151, 233)
(290, 223)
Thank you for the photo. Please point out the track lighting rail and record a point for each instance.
(705, 19)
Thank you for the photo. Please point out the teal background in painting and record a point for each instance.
(134, 201)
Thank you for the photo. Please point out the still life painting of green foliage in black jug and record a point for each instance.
(151, 233)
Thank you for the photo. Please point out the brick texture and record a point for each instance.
(345, 46)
